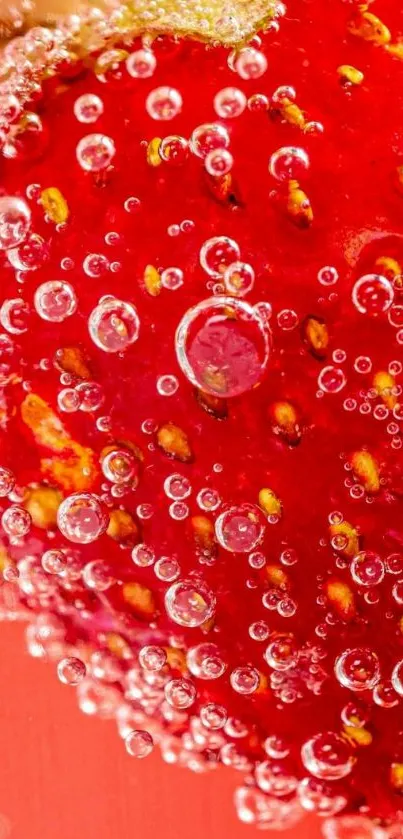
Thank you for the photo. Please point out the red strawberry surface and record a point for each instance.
(201, 369)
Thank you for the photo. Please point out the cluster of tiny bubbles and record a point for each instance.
(178, 510)
(95, 265)
(7, 481)
(223, 345)
(319, 797)
(274, 778)
(240, 529)
(120, 466)
(363, 364)
(16, 522)
(397, 677)
(281, 653)
(331, 379)
(367, 568)
(229, 102)
(289, 556)
(15, 220)
(172, 278)
(213, 716)
(174, 150)
(372, 294)
(81, 518)
(152, 658)
(357, 668)
(276, 747)
(248, 62)
(14, 316)
(208, 499)
(114, 325)
(55, 301)
(30, 254)
(327, 756)
(239, 279)
(257, 560)
(245, 680)
(141, 64)
(287, 319)
(97, 575)
(164, 103)
(217, 254)
(259, 630)
(177, 487)
(88, 108)
(143, 555)
(208, 137)
(167, 569)
(53, 561)
(180, 693)
(205, 661)
(95, 152)
(71, 671)
(190, 603)
(328, 275)
(218, 162)
(139, 743)
(288, 163)
(385, 695)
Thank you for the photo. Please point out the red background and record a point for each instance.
(66, 776)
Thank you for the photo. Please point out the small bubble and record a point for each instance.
(213, 716)
(239, 279)
(152, 658)
(218, 162)
(208, 137)
(55, 301)
(328, 275)
(281, 654)
(68, 400)
(16, 522)
(88, 108)
(258, 103)
(143, 555)
(97, 575)
(7, 481)
(327, 756)
(189, 603)
(145, 511)
(245, 680)
(208, 499)
(240, 529)
(53, 562)
(141, 64)
(177, 487)
(229, 102)
(250, 63)
(95, 265)
(331, 379)
(372, 294)
(71, 671)
(363, 364)
(15, 220)
(384, 695)
(357, 669)
(289, 557)
(91, 396)
(167, 569)
(178, 510)
(164, 103)
(287, 319)
(172, 278)
(397, 678)
(180, 693)
(395, 316)
(114, 325)
(174, 150)
(367, 569)
(139, 743)
(81, 518)
(287, 607)
(132, 204)
(394, 563)
(95, 152)
(288, 163)
(259, 631)
(120, 466)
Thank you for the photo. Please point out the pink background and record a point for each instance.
(66, 776)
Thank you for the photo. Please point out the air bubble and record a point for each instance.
(372, 294)
(139, 743)
(71, 671)
(88, 108)
(190, 603)
(229, 102)
(240, 529)
(357, 669)
(95, 152)
(164, 103)
(55, 301)
(114, 325)
(288, 163)
(327, 756)
(15, 220)
(81, 518)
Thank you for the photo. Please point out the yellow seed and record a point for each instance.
(153, 155)
(74, 471)
(349, 542)
(140, 599)
(388, 267)
(369, 27)
(298, 205)
(72, 360)
(152, 280)
(42, 503)
(122, 527)
(118, 646)
(213, 405)
(384, 383)
(367, 470)
(176, 659)
(357, 736)
(350, 74)
(270, 503)
(316, 336)
(174, 442)
(55, 205)
(277, 576)
(203, 532)
(285, 422)
(395, 49)
(292, 113)
(341, 598)
(396, 776)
